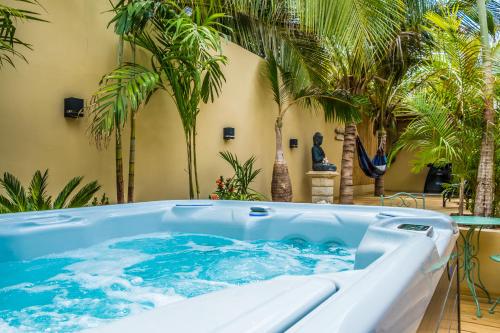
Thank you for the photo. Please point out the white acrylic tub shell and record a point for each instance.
(395, 275)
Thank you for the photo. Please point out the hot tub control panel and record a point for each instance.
(420, 228)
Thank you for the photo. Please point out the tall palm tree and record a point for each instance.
(288, 91)
(281, 187)
(351, 75)
(10, 17)
(185, 49)
(130, 18)
(186, 54)
(485, 177)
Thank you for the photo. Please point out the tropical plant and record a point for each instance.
(237, 187)
(18, 199)
(308, 92)
(186, 53)
(364, 27)
(121, 94)
(124, 91)
(446, 121)
(10, 17)
(351, 76)
(186, 56)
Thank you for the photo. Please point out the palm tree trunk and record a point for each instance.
(485, 176)
(189, 164)
(195, 163)
(346, 182)
(120, 193)
(281, 186)
(131, 159)
(379, 181)
(461, 196)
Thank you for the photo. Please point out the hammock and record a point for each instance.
(371, 168)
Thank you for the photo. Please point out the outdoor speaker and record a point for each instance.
(228, 133)
(73, 107)
(294, 143)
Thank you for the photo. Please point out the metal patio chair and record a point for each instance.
(492, 309)
(403, 199)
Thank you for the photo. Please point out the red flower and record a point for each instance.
(214, 196)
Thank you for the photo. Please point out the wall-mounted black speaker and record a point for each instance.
(73, 107)
(294, 143)
(228, 133)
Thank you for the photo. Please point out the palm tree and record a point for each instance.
(182, 48)
(36, 198)
(130, 19)
(297, 82)
(446, 120)
(485, 176)
(186, 53)
(287, 93)
(121, 94)
(9, 40)
(281, 187)
(351, 76)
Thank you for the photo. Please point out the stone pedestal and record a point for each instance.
(322, 183)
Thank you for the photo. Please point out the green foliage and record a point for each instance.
(446, 109)
(309, 93)
(237, 187)
(17, 199)
(10, 17)
(186, 54)
(122, 91)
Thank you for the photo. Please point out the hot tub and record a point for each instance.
(216, 266)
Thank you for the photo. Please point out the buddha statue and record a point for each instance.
(319, 160)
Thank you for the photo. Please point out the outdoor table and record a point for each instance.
(470, 261)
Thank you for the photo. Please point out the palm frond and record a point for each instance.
(15, 191)
(432, 135)
(10, 17)
(85, 195)
(7, 206)
(64, 195)
(37, 191)
(122, 91)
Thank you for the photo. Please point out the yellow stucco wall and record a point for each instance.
(71, 54)
(399, 177)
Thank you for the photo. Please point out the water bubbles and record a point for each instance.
(88, 287)
(136, 281)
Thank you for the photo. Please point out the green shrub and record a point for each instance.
(238, 186)
(17, 199)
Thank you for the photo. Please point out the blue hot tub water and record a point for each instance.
(88, 287)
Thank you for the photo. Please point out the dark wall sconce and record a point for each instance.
(294, 143)
(228, 133)
(73, 107)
